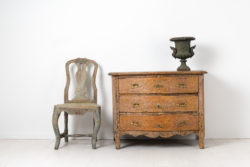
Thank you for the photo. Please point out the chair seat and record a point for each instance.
(78, 106)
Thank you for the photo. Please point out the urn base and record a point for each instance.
(183, 66)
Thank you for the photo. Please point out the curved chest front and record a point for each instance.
(157, 104)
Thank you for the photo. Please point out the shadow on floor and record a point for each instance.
(174, 143)
(147, 143)
(158, 142)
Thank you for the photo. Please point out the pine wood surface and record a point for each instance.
(180, 84)
(158, 73)
(157, 104)
(164, 122)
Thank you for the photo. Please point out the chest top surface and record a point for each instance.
(158, 73)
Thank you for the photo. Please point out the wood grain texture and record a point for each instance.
(184, 84)
(163, 134)
(164, 122)
(157, 73)
(201, 112)
(158, 103)
(116, 119)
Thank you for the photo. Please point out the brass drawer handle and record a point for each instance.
(181, 105)
(135, 85)
(180, 124)
(158, 106)
(158, 86)
(134, 123)
(135, 105)
(181, 85)
(194, 114)
(159, 126)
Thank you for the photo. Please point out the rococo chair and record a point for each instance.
(80, 103)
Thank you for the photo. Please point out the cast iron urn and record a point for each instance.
(182, 51)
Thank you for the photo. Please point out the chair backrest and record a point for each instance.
(80, 77)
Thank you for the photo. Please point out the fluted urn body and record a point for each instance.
(182, 51)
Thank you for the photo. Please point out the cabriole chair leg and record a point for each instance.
(66, 138)
(55, 118)
(97, 124)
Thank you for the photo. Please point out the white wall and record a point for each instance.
(38, 37)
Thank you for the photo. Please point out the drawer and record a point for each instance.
(188, 84)
(164, 122)
(158, 103)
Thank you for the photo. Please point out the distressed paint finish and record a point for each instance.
(80, 93)
(116, 117)
(80, 104)
(153, 134)
(201, 112)
(160, 122)
(158, 73)
(158, 104)
(55, 118)
(184, 84)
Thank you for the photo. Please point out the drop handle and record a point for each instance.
(194, 114)
(181, 85)
(134, 85)
(183, 123)
(181, 105)
(134, 123)
(135, 105)
(158, 86)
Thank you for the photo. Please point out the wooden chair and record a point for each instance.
(80, 103)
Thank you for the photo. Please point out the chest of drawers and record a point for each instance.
(157, 104)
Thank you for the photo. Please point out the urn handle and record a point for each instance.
(192, 50)
(174, 51)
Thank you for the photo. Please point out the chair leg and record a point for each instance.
(97, 119)
(66, 138)
(55, 118)
(94, 124)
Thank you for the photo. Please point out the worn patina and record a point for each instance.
(81, 102)
(182, 51)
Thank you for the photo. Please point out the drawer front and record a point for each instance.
(158, 103)
(166, 122)
(188, 84)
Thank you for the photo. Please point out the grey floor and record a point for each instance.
(139, 153)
